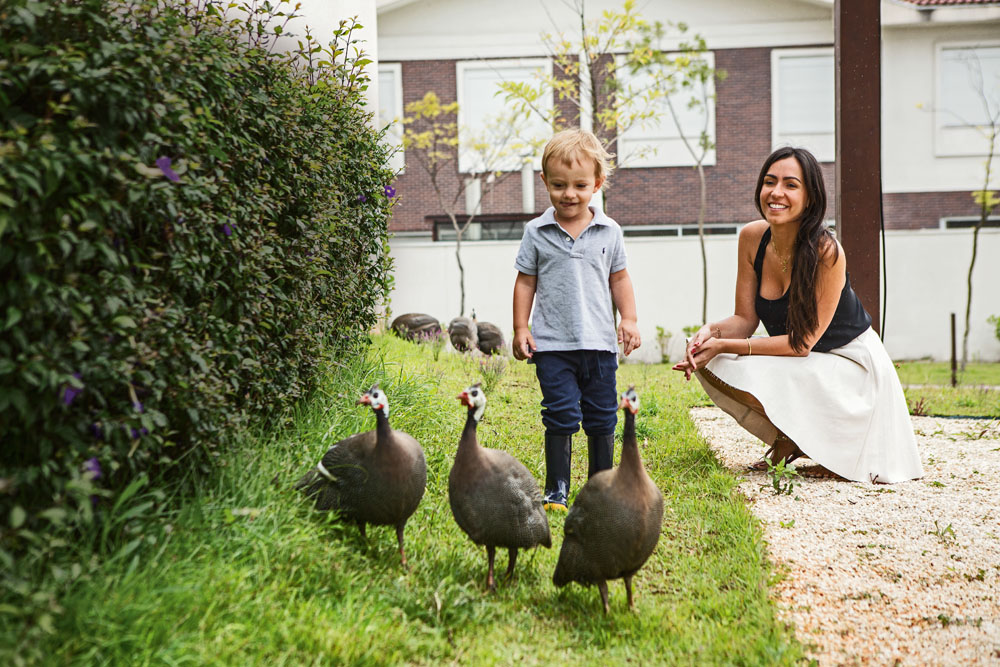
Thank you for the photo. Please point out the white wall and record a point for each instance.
(926, 278)
(431, 29)
(324, 16)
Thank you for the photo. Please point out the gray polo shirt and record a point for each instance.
(572, 308)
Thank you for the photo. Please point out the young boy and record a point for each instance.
(572, 264)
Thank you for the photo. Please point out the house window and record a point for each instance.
(491, 136)
(490, 227)
(967, 96)
(968, 222)
(802, 101)
(646, 231)
(390, 110)
(663, 140)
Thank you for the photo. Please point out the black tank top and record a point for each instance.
(849, 321)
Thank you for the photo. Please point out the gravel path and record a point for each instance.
(904, 574)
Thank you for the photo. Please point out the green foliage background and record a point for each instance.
(191, 220)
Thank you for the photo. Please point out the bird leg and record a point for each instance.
(512, 553)
(628, 589)
(399, 539)
(603, 587)
(491, 553)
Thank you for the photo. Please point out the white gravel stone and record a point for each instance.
(904, 574)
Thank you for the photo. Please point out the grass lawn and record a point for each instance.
(246, 573)
(928, 389)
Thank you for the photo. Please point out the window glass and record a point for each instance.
(803, 100)
(491, 136)
(390, 109)
(659, 141)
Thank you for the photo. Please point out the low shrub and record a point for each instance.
(191, 221)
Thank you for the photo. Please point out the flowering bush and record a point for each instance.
(189, 222)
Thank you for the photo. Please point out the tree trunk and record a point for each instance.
(461, 270)
(984, 214)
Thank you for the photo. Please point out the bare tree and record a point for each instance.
(432, 139)
(614, 74)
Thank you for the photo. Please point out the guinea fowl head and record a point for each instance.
(475, 399)
(630, 400)
(375, 397)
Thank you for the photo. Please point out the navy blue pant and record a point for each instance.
(578, 386)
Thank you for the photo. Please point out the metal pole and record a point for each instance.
(857, 33)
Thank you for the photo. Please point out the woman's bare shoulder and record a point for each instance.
(831, 253)
(752, 231)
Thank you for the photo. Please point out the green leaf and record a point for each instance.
(13, 317)
(17, 517)
(124, 322)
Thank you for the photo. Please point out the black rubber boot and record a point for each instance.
(557, 461)
(600, 452)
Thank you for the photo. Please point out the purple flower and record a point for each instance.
(362, 199)
(164, 164)
(137, 405)
(95, 430)
(140, 432)
(226, 229)
(93, 466)
(70, 392)
(390, 191)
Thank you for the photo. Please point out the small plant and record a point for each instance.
(946, 534)
(783, 478)
(995, 321)
(435, 340)
(919, 407)
(663, 339)
(492, 370)
(691, 330)
(787, 524)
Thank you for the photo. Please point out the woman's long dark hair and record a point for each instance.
(813, 235)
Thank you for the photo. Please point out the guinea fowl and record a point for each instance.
(375, 477)
(464, 334)
(490, 338)
(614, 524)
(493, 497)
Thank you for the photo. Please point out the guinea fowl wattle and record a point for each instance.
(493, 497)
(614, 525)
(376, 477)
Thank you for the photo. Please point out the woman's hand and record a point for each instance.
(688, 366)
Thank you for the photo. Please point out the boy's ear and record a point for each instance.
(598, 183)
(542, 174)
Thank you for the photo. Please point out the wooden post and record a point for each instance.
(954, 361)
(857, 33)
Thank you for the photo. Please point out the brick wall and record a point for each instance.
(666, 195)
(917, 210)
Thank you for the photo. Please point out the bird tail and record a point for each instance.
(314, 485)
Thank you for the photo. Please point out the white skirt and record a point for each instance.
(844, 408)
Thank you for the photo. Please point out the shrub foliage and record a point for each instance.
(191, 219)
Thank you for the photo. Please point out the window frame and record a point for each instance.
(462, 66)
(398, 160)
(677, 155)
(825, 153)
(955, 141)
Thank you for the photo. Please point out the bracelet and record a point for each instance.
(749, 348)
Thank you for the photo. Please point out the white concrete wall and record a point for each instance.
(431, 29)
(926, 280)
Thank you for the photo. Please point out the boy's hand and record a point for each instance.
(523, 344)
(628, 336)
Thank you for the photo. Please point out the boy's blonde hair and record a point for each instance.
(576, 144)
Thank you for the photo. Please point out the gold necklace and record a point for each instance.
(783, 260)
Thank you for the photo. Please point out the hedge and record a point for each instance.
(191, 222)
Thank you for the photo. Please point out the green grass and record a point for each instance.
(928, 389)
(246, 573)
(939, 373)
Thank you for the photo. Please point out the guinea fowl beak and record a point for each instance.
(364, 400)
